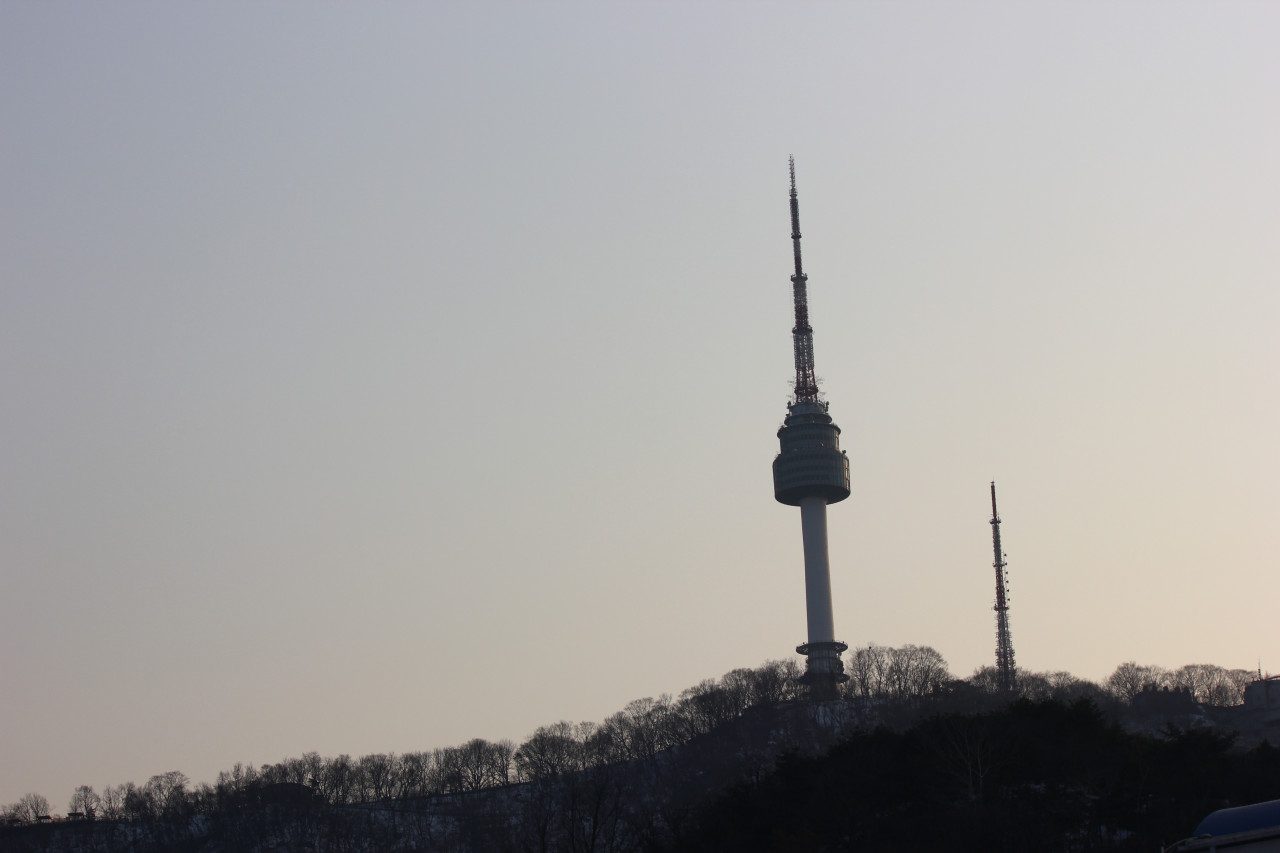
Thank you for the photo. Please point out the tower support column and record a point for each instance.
(817, 570)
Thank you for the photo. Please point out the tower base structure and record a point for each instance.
(823, 669)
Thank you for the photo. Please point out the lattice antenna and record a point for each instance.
(1006, 671)
(802, 334)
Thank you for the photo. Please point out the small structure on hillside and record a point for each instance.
(1264, 695)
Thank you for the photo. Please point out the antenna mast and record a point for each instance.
(1006, 672)
(802, 333)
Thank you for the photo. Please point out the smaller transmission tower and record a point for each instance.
(1005, 669)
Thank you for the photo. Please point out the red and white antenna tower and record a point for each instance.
(1006, 671)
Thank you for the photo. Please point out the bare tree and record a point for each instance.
(449, 772)
(375, 776)
(413, 776)
(915, 672)
(236, 779)
(1065, 687)
(111, 803)
(168, 792)
(138, 803)
(640, 730)
(549, 752)
(337, 782)
(273, 774)
(1211, 684)
(203, 800)
(296, 770)
(1131, 678)
(905, 674)
(703, 707)
(986, 679)
(1058, 686)
(737, 686)
(774, 681)
(476, 764)
(474, 755)
(1033, 685)
(31, 807)
(1239, 679)
(868, 673)
(313, 767)
(501, 758)
(84, 801)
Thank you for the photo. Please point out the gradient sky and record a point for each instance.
(380, 376)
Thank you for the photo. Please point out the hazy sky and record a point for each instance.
(383, 375)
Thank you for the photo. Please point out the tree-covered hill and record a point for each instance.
(910, 757)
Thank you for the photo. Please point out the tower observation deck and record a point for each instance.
(811, 471)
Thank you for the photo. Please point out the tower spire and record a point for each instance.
(1006, 672)
(806, 390)
(795, 220)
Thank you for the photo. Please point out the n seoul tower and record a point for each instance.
(811, 471)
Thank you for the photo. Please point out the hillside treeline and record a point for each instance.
(889, 688)
(641, 729)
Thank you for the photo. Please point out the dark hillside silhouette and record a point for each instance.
(1032, 776)
(908, 758)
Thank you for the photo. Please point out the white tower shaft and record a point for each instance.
(817, 570)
